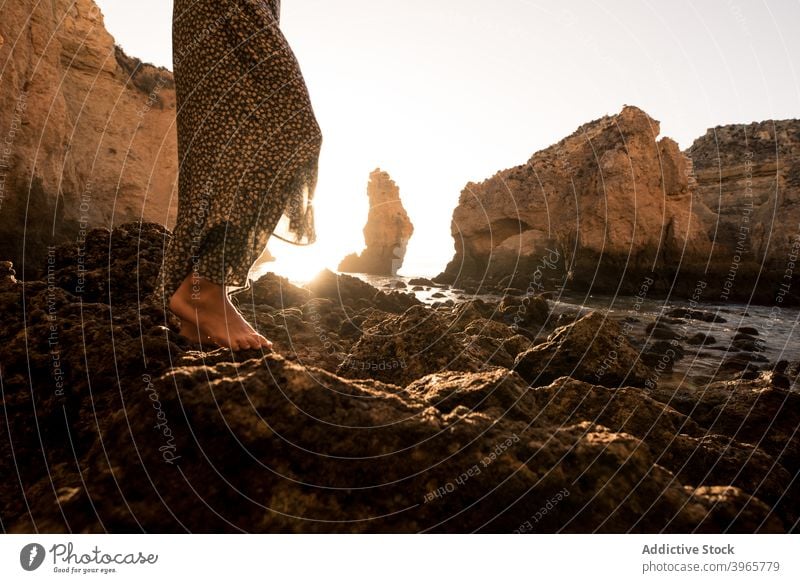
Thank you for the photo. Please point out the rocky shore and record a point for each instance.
(377, 413)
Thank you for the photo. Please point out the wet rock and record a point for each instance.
(662, 355)
(468, 311)
(701, 339)
(688, 314)
(740, 362)
(7, 274)
(742, 512)
(748, 343)
(305, 451)
(422, 281)
(531, 312)
(270, 443)
(594, 349)
(677, 442)
(341, 288)
(499, 393)
(661, 330)
(354, 293)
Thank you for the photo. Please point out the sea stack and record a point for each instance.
(386, 233)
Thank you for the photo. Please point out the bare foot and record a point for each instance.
(190, 331)
(207, 314)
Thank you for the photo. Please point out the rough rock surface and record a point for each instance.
(748, 175)
(613, 208)
(386, 233)
(88, 132)
(752, 171)
(595, 349)
(610, 192)
(112, 422)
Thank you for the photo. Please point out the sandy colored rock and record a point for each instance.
(386, 233)
(90, 130)
(612, 191)
(617, 209)
(749, 174)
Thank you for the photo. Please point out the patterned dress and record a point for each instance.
(248, 142)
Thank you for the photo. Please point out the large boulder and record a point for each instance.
(401, 349)
(595, 349)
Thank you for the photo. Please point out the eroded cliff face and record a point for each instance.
(613, 208)
(87, 135)
(386, 233)
(749, 176)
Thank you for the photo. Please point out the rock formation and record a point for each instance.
(386, 233)
(87, 133)
(749, 177)
(613, 208)
(110, 417)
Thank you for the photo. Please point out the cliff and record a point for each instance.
(87, 133)
(613, 208)
(749, 176)
(386, 233)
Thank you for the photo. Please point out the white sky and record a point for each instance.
(441, 92)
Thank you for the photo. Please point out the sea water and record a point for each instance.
(778, 329)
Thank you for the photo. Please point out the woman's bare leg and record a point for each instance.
(206, 313)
